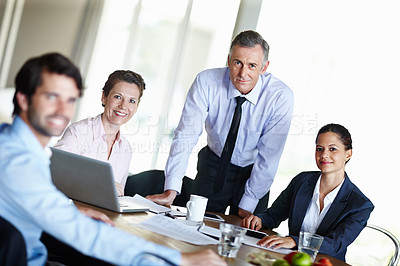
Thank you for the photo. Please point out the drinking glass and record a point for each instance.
(310, 243)
(230, 240)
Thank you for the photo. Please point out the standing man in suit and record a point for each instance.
(247, 114)
(47, 88)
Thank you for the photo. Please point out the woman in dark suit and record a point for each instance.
(324, 202)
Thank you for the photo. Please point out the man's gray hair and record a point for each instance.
(251, 38)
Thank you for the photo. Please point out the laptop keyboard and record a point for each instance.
(125, 204)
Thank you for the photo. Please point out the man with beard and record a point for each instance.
(47, 88)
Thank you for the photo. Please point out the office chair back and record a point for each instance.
(370, 248)
(152, 182)
(12, 245)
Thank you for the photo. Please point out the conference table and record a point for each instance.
(124, 222)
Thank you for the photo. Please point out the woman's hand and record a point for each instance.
(252, 222)
(273, 241)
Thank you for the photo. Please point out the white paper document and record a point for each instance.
(174, 228)
(154, 207)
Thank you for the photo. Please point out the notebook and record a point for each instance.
(90, 181)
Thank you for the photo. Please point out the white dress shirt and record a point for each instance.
(265, 123)
(314, 217)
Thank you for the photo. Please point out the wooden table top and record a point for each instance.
(124, 221)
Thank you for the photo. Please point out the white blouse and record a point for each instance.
(314, 217)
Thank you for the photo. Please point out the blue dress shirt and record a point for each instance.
(264, 126)
(30, 201)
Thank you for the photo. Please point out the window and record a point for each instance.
(168, 43)
(341, 60)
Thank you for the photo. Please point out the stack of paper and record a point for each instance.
(174, 228)
(154, 207)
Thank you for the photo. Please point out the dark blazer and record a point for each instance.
(344, 221)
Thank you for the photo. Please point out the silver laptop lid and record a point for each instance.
(84, 179)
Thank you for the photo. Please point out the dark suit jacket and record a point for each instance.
(344, 221)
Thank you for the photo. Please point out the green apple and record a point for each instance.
(281, 263)
(301, 259)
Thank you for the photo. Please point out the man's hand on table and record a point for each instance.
(205, 257)
(243, 213)
(96, 215)
(165, 198)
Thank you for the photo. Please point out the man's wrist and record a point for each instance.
(170, 193)
(248, 203)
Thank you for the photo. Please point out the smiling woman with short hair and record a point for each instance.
(100, 137)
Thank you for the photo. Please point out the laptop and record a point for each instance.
(90, 181)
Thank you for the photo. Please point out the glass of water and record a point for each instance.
(310, 243)
(230, 240)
